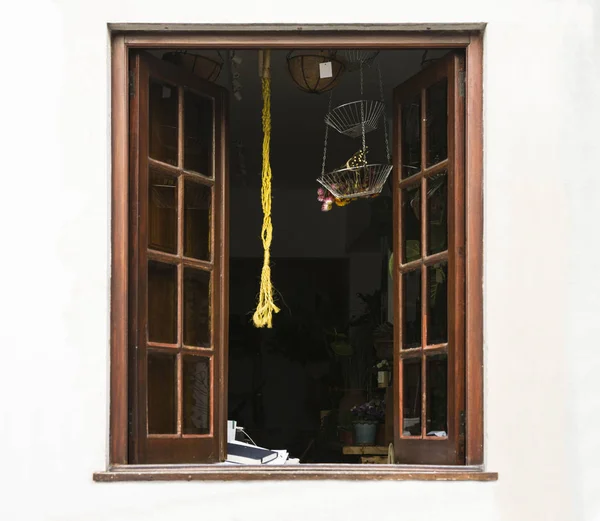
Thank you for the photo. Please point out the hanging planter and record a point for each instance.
(360, 181)
(205, 67)
(354, 58)
(305, 70)
(348, 118)
(357, 178)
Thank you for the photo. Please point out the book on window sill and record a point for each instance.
(238, 452)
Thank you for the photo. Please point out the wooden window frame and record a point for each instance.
(125, 37)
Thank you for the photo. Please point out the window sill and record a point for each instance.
(293, 472)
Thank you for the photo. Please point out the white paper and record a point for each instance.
(325, 70)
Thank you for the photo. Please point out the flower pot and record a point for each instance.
(351, 398)
(364, 433)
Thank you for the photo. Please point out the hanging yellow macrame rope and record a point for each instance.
(263, 316)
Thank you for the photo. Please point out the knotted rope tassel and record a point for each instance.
(263, 316)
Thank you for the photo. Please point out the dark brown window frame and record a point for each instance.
(131, 36)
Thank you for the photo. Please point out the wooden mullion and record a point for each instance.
(424, 261)
(188, 262)
(424, 238)
(171, 258)
(180, 130)
(436, 348)
(398, 410)
(142, 231)
(427, 172)
(179, 380)
(409, 182)
(180, 270)
(456, 274)
(221, 261)
(200, 178)
(163, 346)
(423, 395)
(169, 169)
(428, 350)
(198, 351)
(436, 258)
(410, 353)
(436, 169)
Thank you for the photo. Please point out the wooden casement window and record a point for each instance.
(177, 295)
(429, 285)
(170, 255)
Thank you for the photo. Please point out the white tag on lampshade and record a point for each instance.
(325, 70)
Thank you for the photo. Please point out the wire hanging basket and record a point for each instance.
(354, 58)
(206, 67)
(349, 118)
(358, 181)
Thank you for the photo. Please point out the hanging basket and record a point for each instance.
(355, 57)
(347, 119)
(202, 66)
(360, 181)
(305, 71)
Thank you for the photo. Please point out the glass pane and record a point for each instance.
(437, 303)
(411, 223)
(162, 302)
(162, 397)
(196, 395)
(437, 395)
(411, 137)
(162, 212)
(437, 122)
(411, 396)
(163, 122)
(197, 220)
(437, 213)
(198, 131)
(411, 309)
(196, 307)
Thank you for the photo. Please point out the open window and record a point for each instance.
(177, 339)
(193, 359)
(430, 286)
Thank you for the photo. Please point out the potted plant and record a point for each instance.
(366, 417)
(383, 373)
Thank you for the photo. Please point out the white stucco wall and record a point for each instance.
(542, 195)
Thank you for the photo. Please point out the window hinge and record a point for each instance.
(461, 84)
(131, 83)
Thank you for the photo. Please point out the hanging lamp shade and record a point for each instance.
(304, 69)
(205, 67)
